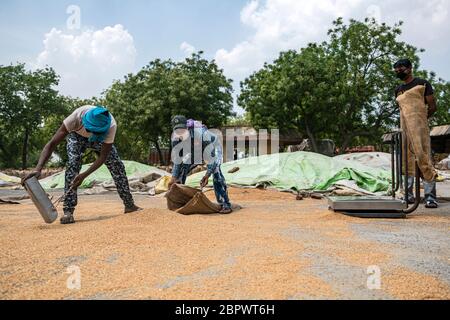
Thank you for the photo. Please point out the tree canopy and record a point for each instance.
(342, 89)
(26, 99)
(144, 103)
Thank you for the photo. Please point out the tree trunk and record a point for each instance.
(349, 138)
(3, 150)
(311, 137)
(162, 161)
(170, 153)
(25, 149)
(346, 143)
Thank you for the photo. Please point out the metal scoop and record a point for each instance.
(46, 208)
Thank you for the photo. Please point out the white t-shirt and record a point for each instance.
(74, 123)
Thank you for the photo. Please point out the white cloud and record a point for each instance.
(89, 61)
(280, 25)
(425, 22)
(291, 24)
(187, 48)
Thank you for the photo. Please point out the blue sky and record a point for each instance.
(158, 27)
(117, 37)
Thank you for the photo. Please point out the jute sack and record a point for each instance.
(186, 200)
(414, 122)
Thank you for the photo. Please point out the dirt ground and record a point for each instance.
(274, 248)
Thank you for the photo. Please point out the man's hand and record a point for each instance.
(35, 173)
(204, 181)
(78, 181)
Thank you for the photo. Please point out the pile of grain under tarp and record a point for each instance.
(186, 200)
(301, 171)
(8, 181)
(379, 160)
(444, 164)
(141, 177)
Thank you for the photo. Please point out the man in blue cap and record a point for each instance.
(95, 128)
(190, 134)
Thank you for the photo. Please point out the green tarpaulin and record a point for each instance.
(132, 168)
(300, 171)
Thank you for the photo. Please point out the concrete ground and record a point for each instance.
(274, 248)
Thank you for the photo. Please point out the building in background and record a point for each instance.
(440, 139)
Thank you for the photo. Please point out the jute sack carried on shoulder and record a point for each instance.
(414, 122)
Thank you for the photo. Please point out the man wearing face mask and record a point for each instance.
(417, 104)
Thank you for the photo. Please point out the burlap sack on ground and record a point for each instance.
(186, 200)
(414, 122)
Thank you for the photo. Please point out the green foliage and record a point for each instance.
(26, 99)
(240, 121)
(292, 93)
(442, 94)
(342, 89)
(364, 53)
(144, 103)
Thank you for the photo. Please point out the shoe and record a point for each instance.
(431, 204)
(67, 219)
(132, 209)
(225, 211)
(410, 200)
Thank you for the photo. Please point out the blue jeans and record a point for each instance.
(185, 169)
(220, 189)
(430, 189)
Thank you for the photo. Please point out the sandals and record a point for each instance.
(226, 211)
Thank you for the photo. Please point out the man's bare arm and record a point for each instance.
(101, 159)
(432, 107)
(47, 152)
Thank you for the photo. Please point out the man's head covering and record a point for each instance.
(179, 122)
(97, 121)
(191, 123)
(403, 63)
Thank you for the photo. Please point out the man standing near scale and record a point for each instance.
(417, 103)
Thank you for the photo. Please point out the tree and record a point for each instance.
(26, 99)
(442, 94)
(147, 101)
(293, 93)
(363, 53)
(240, 121)
(342, 89)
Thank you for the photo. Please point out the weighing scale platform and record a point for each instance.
(368, 207)
(384, 207)
(366, 203)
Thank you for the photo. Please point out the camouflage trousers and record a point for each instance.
(76, 147)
